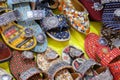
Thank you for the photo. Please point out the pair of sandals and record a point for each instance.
(88, 69)
(97, 49)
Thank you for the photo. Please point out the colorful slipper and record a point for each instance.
(27, 20)
(111, 16)
(70, 53)
(45, 59)
(52, 4)
(23, 66)
(56, 27)
(90, 70)
(60, 70)
(90, 45)
(94, 7)
(110, 58)
(13, 34)
(5, 53)
(76, 14)
(4, 75)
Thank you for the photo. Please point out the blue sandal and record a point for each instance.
(55, 26)
(27, 19)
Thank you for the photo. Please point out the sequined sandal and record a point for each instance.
(23, 66)
(94, 7)
(70, 53)
(13, 34)
(56, 27)
(76, 14)
(91, 70)
(27, 20)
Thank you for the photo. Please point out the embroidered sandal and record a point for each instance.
(23, 66)
(4, 75)
(5, 53)
(94, 7)
(90, 70)
(70, 53)
(76, 14)
(27, 19)
(13, 34)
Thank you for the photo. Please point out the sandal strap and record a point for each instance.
(103, 76)
(35, 14)
(58, 21)
(20, 1)
(29, 73)
(9, 17)
(86, 65)
(107, 57)
(57, 67)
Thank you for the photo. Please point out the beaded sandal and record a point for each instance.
(56, 26)
(90, 70)
(94, 7)
(70, 53)
(13, 34)
(76, 14)
(27, 20)
(5, 53)
(4, 75)
(23, 66)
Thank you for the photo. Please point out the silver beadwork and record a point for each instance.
(117, 12)
(97, 6)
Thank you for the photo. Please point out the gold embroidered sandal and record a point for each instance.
(14, 35)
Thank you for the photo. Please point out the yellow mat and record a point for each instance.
(77, 39)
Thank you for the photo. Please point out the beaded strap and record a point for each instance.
(56, 67)
(8, 17)
(27, 74)
(35, 14)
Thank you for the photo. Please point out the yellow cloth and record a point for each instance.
(77, 39)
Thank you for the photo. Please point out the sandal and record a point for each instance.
(90, 70)
(56, 27)
(13, 34)
(94, 7)
(110, 58)
(70, 53)
(111, 27)
(76, 14)
(27, 20)
(5, 53)
(23, 66)
(92, 42)
(4, 75)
